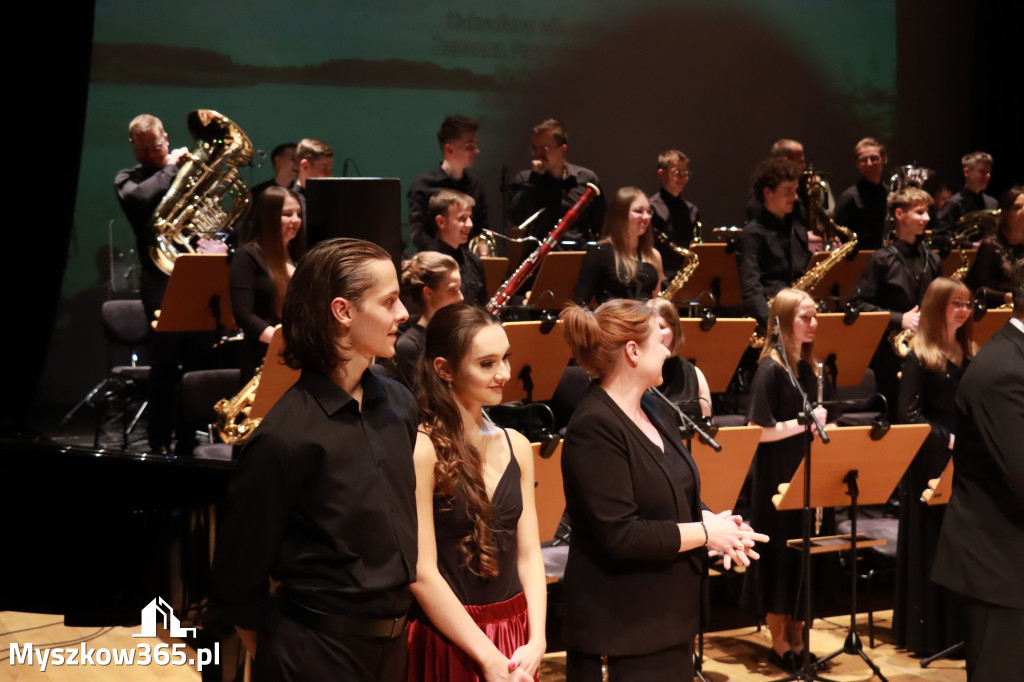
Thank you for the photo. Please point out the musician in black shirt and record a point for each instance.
(896, 278)
(772, 251)
(977, 172)
(323, 500)
(861, 207)
(457, 137)
(674, 216)
(554, 184)
(451, 213)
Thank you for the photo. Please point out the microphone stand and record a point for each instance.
(807, 671)
(687, 430)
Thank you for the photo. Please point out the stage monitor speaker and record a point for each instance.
(360, 208)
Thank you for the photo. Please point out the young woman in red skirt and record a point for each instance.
(480, 583)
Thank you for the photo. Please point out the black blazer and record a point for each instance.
(628, 589)
(981, 547)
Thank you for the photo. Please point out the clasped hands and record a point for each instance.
(731, 537)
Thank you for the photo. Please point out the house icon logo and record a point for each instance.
(159, 610)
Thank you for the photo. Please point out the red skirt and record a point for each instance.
(435, 658)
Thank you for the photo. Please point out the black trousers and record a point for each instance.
(289, 652)
(995, 642)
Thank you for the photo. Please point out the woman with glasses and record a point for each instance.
(924, 618)
(624, 263)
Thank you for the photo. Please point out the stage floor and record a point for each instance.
(728, 655)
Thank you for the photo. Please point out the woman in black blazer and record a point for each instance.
(640, 533)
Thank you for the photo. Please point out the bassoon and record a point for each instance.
(530, 265)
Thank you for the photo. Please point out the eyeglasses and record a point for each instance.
(150, 147)
(676, 173)
(643, 212)
(960, 304)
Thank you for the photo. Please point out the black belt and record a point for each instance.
(338, 624)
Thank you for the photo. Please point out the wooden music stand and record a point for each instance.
(546, 355)
(198, 286)
(277, 378)
(880, 465)
(556, 279)
(952, 262)
(495, 273)
(717, 351)
(850, 347)
(722, 473)
(716, 273)
(943, 488)
(989, 324)
(841, 281)
(835, 480)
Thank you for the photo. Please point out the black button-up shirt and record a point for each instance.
(771, 254)
(425, 185)
(963, 202)
(471, 269)
(532, 191)
(895, 279)
(324, 502)
(675, 217)
(861, 208)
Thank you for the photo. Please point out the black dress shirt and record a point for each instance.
(324, 502)
(139, 191)
(895, 279)
(960, 204)
(861, 208)
(771, 254)
(471, 268)
(425, 185)
(532, 191)
(674, 217)
(408, 351)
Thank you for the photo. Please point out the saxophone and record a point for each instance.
(817, 191)
(233, 422)
(196, 205)
(692, 261)
(965, 230)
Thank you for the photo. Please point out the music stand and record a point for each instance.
(198, 296)
(717, 351)
(556, 279)
(275, 379)
(716, 273)
(989, 324)
(840, 282)
(495, 273)
(836, 480)
(848, 349)
(722, 473)
(537, 362)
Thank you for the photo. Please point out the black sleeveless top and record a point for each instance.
(452, 523)
(679, 384)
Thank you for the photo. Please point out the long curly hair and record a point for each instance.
(458, 473)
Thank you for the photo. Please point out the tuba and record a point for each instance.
(208, 195)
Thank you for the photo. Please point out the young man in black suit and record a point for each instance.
(981, 548)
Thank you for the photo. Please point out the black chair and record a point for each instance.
(861, 403)
(126, 327)
(200, 391)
